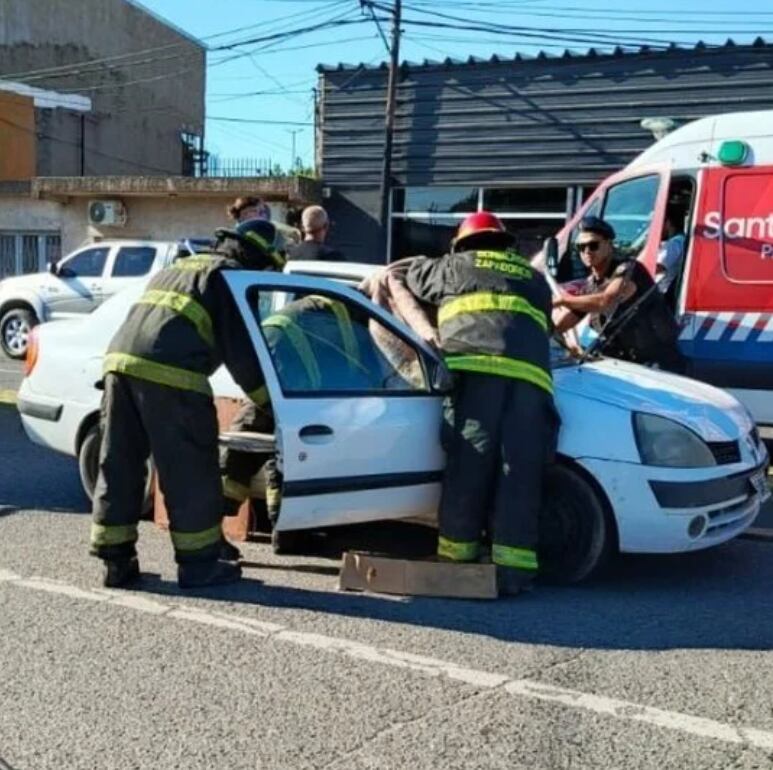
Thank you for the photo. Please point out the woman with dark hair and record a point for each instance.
(249, 207)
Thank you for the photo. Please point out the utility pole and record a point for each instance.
(293, 132)
(386, 173)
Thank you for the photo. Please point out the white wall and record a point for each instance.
(168, 218)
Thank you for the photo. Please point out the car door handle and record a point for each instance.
(315, 431)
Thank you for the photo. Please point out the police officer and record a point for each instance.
(500, 422)
(314, 345)
(625, 307)
(158, 402)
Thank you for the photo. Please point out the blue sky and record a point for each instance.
(282, 72)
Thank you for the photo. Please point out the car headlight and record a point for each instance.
(669, 444)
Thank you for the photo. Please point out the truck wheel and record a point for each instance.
(575, 534)
(88, 465)
(15, 328)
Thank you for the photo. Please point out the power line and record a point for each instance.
(259, 121)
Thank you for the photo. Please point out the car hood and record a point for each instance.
(712, 413)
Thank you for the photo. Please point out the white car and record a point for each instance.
(76, 285)
(648, 461)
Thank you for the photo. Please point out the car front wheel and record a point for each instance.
(576, 535)
(15, 328)
(88, 465)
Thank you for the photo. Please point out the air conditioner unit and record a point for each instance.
(107, 213)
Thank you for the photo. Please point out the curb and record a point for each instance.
(8, 397)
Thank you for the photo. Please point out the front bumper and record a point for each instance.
(654, 507)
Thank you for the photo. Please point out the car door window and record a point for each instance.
(629, 207)
(133, 261)
(86, 264)
(322, 344)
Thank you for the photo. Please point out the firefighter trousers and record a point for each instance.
(499, 435)
(179, 429)
(238, 468)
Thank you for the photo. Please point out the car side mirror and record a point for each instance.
(441, 379)
(550, 250)
(53, 268)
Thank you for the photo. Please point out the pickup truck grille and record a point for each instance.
(725, 452)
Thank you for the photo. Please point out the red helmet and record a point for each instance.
(483, 223)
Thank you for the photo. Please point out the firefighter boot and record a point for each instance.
(198, 574)
(511, 582)
(119, 573)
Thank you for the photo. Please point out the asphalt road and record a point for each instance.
(662, 663)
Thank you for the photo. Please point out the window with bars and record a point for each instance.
(24, 253)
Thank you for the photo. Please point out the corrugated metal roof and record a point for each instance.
(577, 56)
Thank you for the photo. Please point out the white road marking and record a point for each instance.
(689, 724)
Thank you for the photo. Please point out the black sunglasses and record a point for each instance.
(592, 246)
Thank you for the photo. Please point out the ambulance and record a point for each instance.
(715, 178)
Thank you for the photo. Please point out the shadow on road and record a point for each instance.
(717, 599)
(33, 477)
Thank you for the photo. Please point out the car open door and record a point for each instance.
(358, 420)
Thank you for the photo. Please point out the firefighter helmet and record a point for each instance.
(260, 241)
(482, 226)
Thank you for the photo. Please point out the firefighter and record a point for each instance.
(499, 423)
(625, 307)
(314, 346)
(157, 401)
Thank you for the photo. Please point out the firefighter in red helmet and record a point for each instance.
(499, 423)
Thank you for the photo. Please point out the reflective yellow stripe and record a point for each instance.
(273, 497)
(302, 347)
(199, 262)
(259, 397)
(152, 371)
(233, 490)
(485, 302)
(185, 306)
(457, 550)
(345, 328)
(104, 535)
(520, 558)
(502, 367)
(503, 256)
(278, 260)
(195, 541)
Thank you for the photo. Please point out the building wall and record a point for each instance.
(148, 218)
(546, 122)
(139, 109)
(17, 137)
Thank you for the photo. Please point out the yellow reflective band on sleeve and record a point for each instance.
(501, 367)
(345, 328)
(195, 541)
(273, 497)
(259, 397)
(301, 345)
(520, 558)
(233, 490)
(199, 262)
(183, 305)
(152, 371)
(487, 302)
(457, 550)
(105, 535)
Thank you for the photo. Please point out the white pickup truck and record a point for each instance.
(77, 284)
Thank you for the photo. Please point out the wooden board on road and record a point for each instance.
(378, 574)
